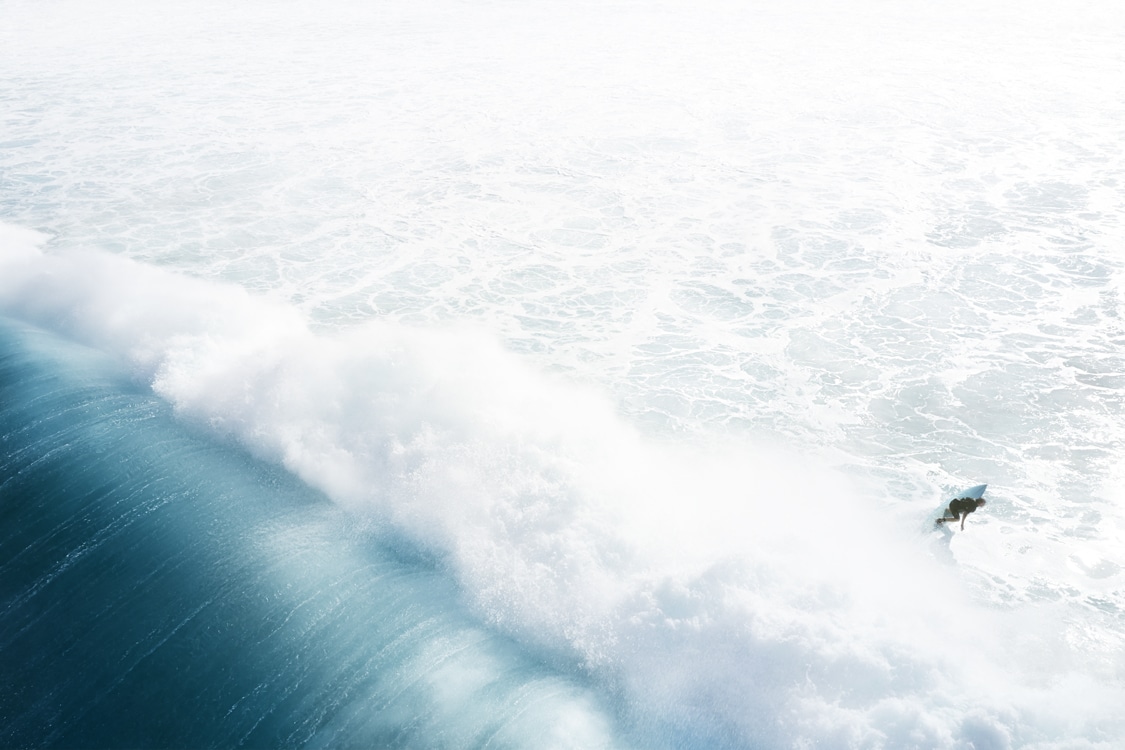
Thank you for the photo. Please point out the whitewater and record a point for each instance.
(562, 374)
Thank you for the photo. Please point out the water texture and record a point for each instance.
(659, 330)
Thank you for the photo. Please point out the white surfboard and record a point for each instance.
(973, 493)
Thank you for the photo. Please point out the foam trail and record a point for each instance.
(735, 597)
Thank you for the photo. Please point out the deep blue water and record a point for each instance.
(160, 589)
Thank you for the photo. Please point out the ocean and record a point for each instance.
(581, 375)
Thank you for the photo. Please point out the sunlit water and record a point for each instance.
(664, 327)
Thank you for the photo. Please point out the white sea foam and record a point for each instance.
(881, 237)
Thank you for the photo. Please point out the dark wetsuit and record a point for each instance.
(961, 506)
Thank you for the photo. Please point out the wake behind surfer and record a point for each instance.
(960, 509)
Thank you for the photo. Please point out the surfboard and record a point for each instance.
(973, 493)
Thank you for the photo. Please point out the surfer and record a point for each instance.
(960, 508)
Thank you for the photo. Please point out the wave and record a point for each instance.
(721, 595)
(161, 590)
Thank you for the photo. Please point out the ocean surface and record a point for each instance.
(535, 374)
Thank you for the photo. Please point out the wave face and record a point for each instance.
(160, 590)
(645, 335)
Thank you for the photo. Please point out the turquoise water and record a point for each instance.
(162, 590)
(654, 332)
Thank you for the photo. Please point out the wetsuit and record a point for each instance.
(961, 506)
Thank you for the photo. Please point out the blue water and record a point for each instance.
(542, 375)
(162, 590)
